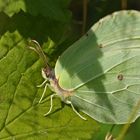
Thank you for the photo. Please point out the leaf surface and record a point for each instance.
(103, 68)
(56, 10)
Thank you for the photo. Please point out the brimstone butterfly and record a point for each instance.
(100, 73)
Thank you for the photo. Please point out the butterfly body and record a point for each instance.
(54, 85)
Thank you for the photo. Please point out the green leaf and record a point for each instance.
(38, 28)
(103, 69)
(11, 7)
(21, 116)
(56, 9)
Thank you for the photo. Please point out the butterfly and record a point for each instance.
(100, 73)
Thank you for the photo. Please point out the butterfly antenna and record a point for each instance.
(35, 46)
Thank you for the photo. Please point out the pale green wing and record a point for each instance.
(103, 68)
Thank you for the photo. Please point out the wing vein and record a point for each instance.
(91, 103)
(97, 76)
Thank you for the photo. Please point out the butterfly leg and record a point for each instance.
(42, 84)
(43, 91)
(76, 111)
(51, 104)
